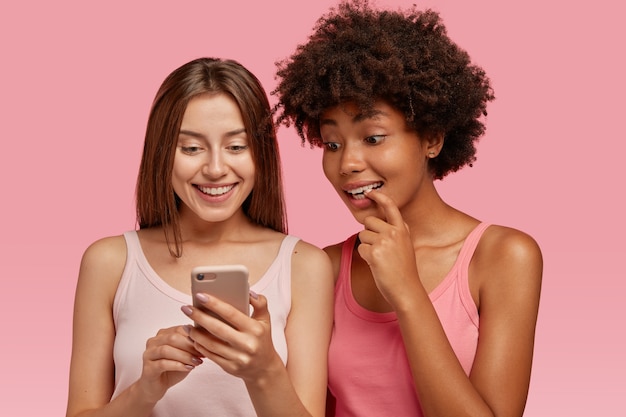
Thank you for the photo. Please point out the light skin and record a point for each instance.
(409, 242)
(213, 174)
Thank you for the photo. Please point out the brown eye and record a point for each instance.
(190, 149)
(331, 146)
(374, 140)
(237, 148)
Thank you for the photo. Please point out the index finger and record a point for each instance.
(219, 309)
(389, 208)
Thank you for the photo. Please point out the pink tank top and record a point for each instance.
(144, 303)
(369, 373)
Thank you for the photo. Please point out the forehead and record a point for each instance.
(215, 109)
(381, 110)
(212, 102)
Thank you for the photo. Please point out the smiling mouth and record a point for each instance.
(215, 191)
(359, 193)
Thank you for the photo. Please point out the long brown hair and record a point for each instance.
(157, 204)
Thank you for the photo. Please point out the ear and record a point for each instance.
(433, 143)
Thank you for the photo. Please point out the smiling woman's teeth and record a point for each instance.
(216, 191)
(359, 193)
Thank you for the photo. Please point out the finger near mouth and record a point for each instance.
(362, 195)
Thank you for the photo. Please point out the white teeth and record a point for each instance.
(358, 193)
(216, 190)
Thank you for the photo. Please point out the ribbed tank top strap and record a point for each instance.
(286, 249)
(282, 262)
(133, 250)
(133, 246)
(280, 267)
(469, 246)
(462, 269)
(285, 255)
(345, 264)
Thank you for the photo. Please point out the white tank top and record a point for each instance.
(144, 303)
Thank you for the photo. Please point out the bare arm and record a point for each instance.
(92, 369)
(508, 269)
(309, 326)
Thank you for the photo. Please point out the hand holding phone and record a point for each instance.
(229, 283)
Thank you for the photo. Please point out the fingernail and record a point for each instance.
(189, 367)
(196, 361)
(254, 295)
(187, 310)
(202, 297)
(187, 328)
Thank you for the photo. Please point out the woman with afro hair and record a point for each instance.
(435, 310)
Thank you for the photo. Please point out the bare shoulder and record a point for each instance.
(102, 264)
(509, 261)
(505, 245)
(108, 251)
(311, 272)
(306, 256)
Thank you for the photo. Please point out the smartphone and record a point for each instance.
(229, 283)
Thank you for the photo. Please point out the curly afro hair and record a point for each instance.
(360, 54)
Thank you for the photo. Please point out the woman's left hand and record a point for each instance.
(244, 348)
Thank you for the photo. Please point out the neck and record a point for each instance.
(428, 214)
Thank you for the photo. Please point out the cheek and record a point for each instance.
(243, 168)
(247, 167)
(181, 168)
(178, 181)
(328, 166)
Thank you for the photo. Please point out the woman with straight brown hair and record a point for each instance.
(209, 192)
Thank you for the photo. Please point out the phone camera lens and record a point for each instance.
(200, 277)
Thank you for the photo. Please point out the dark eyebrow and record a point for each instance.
(356, 118)
(369, 115)
(201, 136)
(326, 122)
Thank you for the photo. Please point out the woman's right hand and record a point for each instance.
(167, 360)
(387, 249)
(243, 347)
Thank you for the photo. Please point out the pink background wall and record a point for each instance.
(76, 83)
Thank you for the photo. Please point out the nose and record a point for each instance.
(215, 165)
(351, 160)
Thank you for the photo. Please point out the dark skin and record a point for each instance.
(410, 240)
